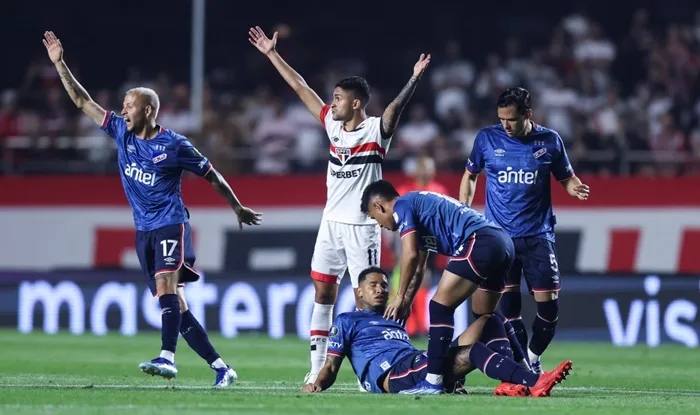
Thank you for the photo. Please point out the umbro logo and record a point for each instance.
(499, 152)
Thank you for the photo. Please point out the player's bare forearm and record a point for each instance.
(307, 95)
(571, 182)
(78, 94)
(467, 188)
(329, 372)
(392, 113)
(409, 263)
(222, 187)
(418, 277)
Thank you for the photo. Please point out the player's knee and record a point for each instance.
(166, 283)
(548, 311)
(325, 293)
(511, 304)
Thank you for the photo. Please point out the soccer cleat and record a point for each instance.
(511, 389)
(159, 367)
(225, 376)
(310, 378)
(548, 380)
(456, 388)
(360, 387)
(536, 367)
(424, 388)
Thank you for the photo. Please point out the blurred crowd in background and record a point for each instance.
(626, 103)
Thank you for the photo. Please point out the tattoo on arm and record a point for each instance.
(76, 91)
(390, 118)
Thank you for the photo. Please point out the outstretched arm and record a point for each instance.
(267, 47)
(327, 375)
(390, 117)
(245, 215)
(77, 93)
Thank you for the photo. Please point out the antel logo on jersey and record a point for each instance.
(134, 171)
(517, 176)
(346, 174)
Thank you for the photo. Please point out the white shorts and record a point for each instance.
(340, 247)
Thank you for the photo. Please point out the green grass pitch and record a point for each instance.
(65, 374)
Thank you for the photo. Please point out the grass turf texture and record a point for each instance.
(66, 374)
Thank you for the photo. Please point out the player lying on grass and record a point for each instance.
(385, 361)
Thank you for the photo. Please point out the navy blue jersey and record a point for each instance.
(151, 172)
(518, 191)
(443, 224)
(372, 343)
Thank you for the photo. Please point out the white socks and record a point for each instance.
(321, 320)
(434, 379)
(218, 364)
(170, 356)
(533, 357)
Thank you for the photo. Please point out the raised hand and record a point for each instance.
(53, 47)
(257, 38)
(248, 216)
(421, 65)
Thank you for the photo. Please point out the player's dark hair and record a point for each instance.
(517, 96)
(371, 270)
(358, 86)
(380, 188)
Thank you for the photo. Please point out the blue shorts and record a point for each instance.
(536, 260)
(166, 249)
(408, 371)
(489, 254)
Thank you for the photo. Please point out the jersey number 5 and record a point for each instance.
(168, 246)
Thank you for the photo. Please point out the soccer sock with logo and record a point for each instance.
(440, 333)
(511, 306)
(170, 319)
(543, 328)
(494, 336)
(519, 354)
(197, 338)
(497, 366)
(321, 320)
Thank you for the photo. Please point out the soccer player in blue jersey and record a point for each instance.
(481, 256)
(152, 161)
(518, 157)
(385, 361)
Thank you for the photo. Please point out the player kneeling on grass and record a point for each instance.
(385, 361)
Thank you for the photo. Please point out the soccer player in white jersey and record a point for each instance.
(347, 239)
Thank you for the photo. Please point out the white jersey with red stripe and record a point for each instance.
(356, 159)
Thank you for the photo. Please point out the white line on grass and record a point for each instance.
(250, 386)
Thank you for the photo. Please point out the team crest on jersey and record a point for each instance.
(160, 157)
(539, 153)
(333, 331)
(343, 154)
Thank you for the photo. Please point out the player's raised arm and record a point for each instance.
(77, 93)
(327, 375)
(390, 117)
(267, 47)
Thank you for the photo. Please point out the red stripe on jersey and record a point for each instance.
(105, 119)
(324, 112)
(623, 250)
(689, 260)
(364, 147)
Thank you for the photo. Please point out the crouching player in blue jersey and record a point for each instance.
(481, 255)
(385, 361)
(152, 161)
(518, 157)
